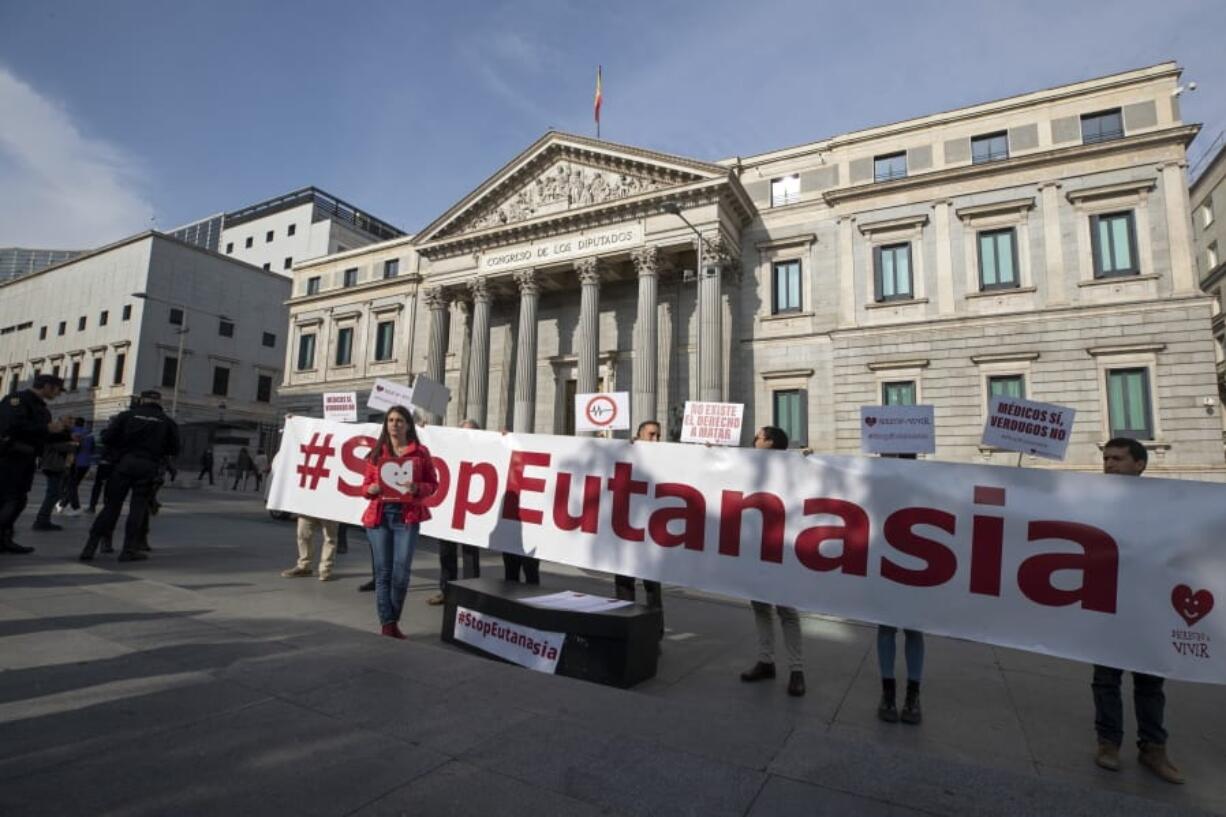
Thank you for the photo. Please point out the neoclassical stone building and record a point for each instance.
(1037, 245)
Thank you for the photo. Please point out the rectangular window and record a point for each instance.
(55, 370)
(898, 393)
(391, 268)
(1128, 406)
(344, 346)
(225, 328)
(288, 263)
(127, 312)
(81, 324)
(229, 248)
(1211, 255)
(269, 340)
(42, 333)
(263, 389)
(221, 381)
(351, 276)
(120, 360)
(890, 166)
(788, 413)
(1102, 126)
(291, 229)
(1007, 385)
(250, 240)
(1114, 239)
(306, 352)
(785, 190)
(385, 333)
(170, 371)
(75, 377)
(268, 237)
(95, 377)
(892, 265)
(785, 287)
(176, 316)
(267, 266)
(103, 316)
(312, 285)
(62, 328)
(991, 147)
(1206, 213)
(997, 259)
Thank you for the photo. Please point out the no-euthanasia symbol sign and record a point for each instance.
(601, 412)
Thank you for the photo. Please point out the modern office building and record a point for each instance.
(151, 312)
(286, 230)
(16, 261)
(1036, 246)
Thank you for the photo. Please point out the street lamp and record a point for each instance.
(181, 331)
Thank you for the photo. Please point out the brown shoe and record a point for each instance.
(1108, 756)
(435, 600)
(1153, 757)
(760, 671)
(296, 572)
(325, 577)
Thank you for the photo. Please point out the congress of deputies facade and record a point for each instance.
(1037, 246)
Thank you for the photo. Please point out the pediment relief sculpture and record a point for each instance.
(566, 185)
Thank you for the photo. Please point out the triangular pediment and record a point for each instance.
(562, 173)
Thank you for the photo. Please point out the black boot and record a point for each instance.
(133, 555)
(911, 707)
(7, 545)
(107, 547)
(887, 710)
(760, 671)
(91, 546)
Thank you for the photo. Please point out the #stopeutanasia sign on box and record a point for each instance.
(1040, 429)
(714, 423)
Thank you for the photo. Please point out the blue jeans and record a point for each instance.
(391, 556)
(914, 650)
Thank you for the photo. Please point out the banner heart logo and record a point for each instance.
(396, 476)
(1192, 607)
(870, 421)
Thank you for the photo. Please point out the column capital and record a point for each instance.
(435, 297)
(647, 260)
(480, 290)
(528, 282)
(715, 253)
(588, 270)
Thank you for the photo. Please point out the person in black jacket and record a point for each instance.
(25, 427)
(140, 439)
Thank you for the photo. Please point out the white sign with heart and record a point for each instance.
(396, 477)
(387, 393)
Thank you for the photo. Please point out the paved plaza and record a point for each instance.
(203, 683)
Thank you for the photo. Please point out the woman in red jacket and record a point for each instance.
(399, 475)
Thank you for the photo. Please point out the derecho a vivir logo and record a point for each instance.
(1191, 606)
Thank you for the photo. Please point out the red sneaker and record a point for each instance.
(393, 630)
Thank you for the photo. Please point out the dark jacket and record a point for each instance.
(143, 433)
(24, 417)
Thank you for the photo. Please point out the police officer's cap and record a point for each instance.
(43, 380)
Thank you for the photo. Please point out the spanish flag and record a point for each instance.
(599, 99)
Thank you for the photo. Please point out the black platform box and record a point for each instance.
(617, 648)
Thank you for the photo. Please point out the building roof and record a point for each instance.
(325, 203)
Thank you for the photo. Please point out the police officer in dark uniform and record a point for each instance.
(25, 427)
(140, 439)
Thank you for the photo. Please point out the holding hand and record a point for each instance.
(372, 490)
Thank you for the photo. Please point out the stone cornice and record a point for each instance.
(1111, 190)
(887, 365)
(378, 283)
(1004, 357)
(1182, 134)
(893, 224)
(1125, 349)
(1010, 206)
(806, 239)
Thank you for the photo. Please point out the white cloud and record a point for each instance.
(59, 188)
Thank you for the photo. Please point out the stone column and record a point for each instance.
(465, 310)
(644, 403)
(1053, 244)
(847, 272)
(479, 359)
(525, 353)
(711, 323)
(588, 270)
(436, 351)
(945, 264)
(1179, 227)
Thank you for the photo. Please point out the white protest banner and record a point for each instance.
(602, 412)
(1041, 429)
(526, 646)
(430, 395)
(714, 423)
(1109, 569)
(385, 393)
(341, 406)
(897, 430)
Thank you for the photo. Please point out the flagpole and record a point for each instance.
(599, 98)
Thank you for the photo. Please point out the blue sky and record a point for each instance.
(115, 113)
